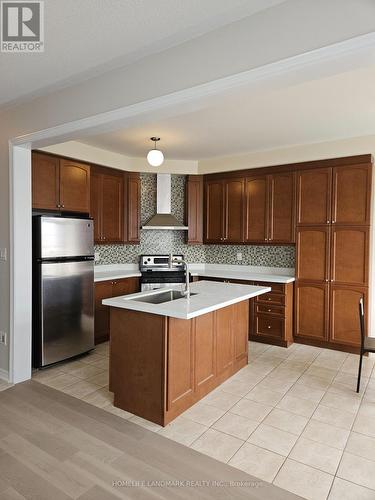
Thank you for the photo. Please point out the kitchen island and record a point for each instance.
(168, 351)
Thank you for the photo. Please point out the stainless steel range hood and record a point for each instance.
(163, 218)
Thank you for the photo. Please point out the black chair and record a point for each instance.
(367, 343)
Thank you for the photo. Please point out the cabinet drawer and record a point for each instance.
(269, 325)
(270, 309)
(275, 287)
(272, 298)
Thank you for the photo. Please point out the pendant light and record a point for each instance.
(155, 157)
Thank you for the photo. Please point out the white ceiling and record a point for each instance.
(337, 107)
(88, 37)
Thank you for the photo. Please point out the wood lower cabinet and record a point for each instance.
(161, 366)
(272, 318)
(60, 184)
(106, 290)
(311, 311)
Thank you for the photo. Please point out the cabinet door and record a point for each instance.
(103, 290)
(180, 383)
(194, 209)
(350, 255)
(241, 329)
(205, 359)
(314, 196)
(351, 195)
(312, 259)
(125, 286)
(224, 340)
(311, 310)
(74, 186)
(233, 212)
(96, 204)
(214, 224)
(282, 208)
(112, 209)
(344, 323)
(133, 205)
(256, 223)
(45, 182)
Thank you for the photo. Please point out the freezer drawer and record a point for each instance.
(64, 237)
(66, 309)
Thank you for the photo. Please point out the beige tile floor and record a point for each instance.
(291, 417)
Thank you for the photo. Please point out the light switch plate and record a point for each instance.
(97, 256)
(3, 254)
(3, 338)
(239, 255)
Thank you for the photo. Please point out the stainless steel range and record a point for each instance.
(162, 271)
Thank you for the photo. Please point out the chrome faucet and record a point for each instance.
(187, 281)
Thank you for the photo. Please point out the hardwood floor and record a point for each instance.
(54, 446)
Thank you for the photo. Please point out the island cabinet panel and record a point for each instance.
(107, 290)
(190, 358)
(181, 376)
(205, 353)
(138, 361)
(224, 340)
(314, 196)
(194, 209)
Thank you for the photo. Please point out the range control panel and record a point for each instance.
(160, 261)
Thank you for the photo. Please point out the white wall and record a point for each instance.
(292, 27)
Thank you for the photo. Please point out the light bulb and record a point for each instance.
(155, 157)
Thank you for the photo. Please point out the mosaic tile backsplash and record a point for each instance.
(155, 242)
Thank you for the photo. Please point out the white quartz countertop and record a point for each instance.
(239, 272)
(210, 296)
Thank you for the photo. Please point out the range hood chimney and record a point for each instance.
(163, 218)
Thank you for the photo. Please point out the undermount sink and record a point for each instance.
(159, 298)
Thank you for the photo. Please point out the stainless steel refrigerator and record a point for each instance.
(63, 288)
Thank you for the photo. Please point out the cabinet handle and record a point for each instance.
(269, 298)
(269, 310)
(269, 326)
(62, 206)
(327, 280)
(58, 206)
(327, 221)
(332, 281)
(333, 221)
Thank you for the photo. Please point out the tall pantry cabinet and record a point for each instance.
(332, 253)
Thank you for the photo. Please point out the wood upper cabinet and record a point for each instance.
(314, 196)
(312, 253)
(270, 208)
(45, 182)
(311, 310)
(74, 186)
(351, 195)
(344, 322)
(133, 206)
(194, 209)
(256, 218)
(59, 184)
(214, 211)
(234, 190)
(107, 205)
(282, 208)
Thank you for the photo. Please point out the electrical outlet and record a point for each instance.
(3, 338)
(97, 256)
(3, 254)
(239, 255)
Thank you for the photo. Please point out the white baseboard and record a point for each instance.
(4, 375)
